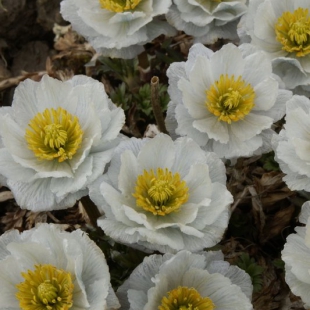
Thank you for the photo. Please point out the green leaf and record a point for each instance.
(269, 162)
(255, 271)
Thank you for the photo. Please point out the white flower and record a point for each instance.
(58, 137)
(292, 145)
(46, 268)
(226, 101)
(2, 178)
(282, 30)
(163, 195)
(205, 280)
(208, 20)
(118, 28)
(296, 255)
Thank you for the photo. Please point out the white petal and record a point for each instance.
(10, 276)
(266, 93)
(13, 138)
(99, 162)
(297, 124)
(304, 213)
(219, 289)
(112, 300)
(175, 72)
(209, 214)
(264, 22)
(228, 60)
(277, 111)
(159, 152)
(186, 214)
(199, 184)
(250, 126)
(290, 71)
(197, 51)
(257, 68)
(212, 127)
(94, 270)
(296, 102)
(115, 125)
(287, 153)
(30, 254)
(141, 277)
(62, 186)
(194, 98)
(236, 275)
(217, 170)
(302, 148)
(296, 255)
(37, 196)
(187, 153)
(6, 238)
(137, 299)
(10, 169)
(128, 173)
(185, 126)
(52, 93)
(24, 102)
(134, 145)
(236, 147)
(70, 11)
(115, 200)
(170, 120)
(175, 266)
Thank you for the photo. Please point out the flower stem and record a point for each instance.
(91, 210)
(156, 106)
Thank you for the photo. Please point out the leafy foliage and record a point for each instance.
(269, 163)
(142, 99)
(255, 271)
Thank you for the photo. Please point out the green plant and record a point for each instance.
(255, 271)
(268, 162)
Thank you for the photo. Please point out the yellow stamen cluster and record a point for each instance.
(54, 134)
(293, 31)
(230, 99)
(119, 6)
(185, 298)
(45, 288)
(160, 193)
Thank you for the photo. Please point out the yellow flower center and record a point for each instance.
(184, 298)
(54, 134)
(160, 193)
(45, 288)
(293, 32)
(229, 99)
(119, 6)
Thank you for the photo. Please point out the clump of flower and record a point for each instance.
(296, 256)
(202, 281)
(282, 30)
(208, 20)
(118, 28)
(57, 139)
(226, 101)
(47, 268)
(292, 145)
(163, 195)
